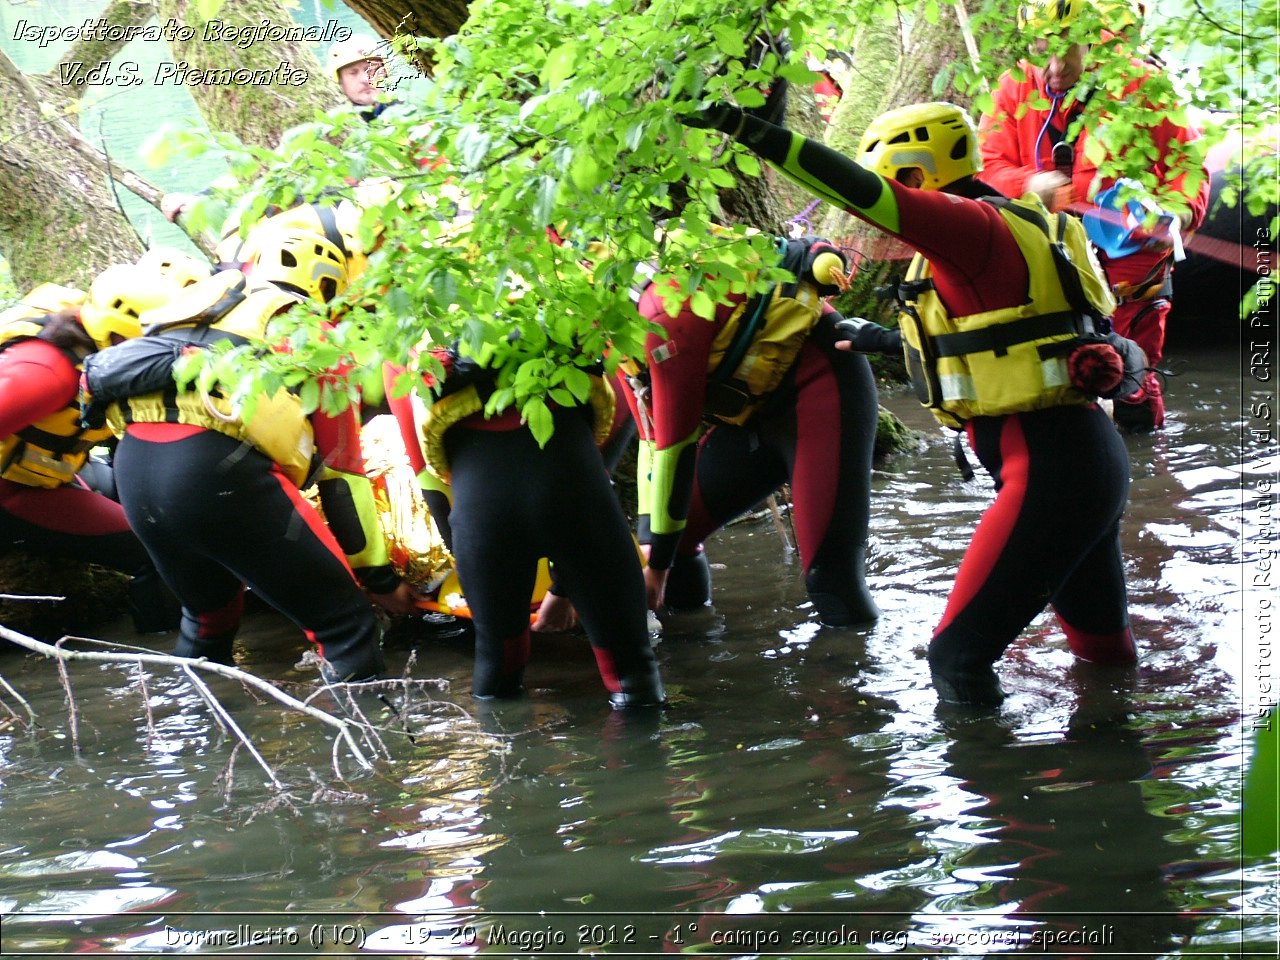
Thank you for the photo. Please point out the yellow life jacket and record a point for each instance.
(1014, 359)
(752, 353)
(222, 308)
(50, 452)
(434, 418)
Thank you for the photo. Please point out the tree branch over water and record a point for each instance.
(347, 730)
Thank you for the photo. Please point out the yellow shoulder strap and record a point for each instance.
(203, 302)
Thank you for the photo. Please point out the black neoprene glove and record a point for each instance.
(721, 116)
(868, 337)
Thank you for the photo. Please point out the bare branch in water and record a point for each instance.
(146, 704)
(229, 723)
(73, 722)
(63, 656)
(31, 714)
(353, 725)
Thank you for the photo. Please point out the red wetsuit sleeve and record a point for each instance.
(36, 380)
(672, 417)
(402, 409)
(677, 368)
(338, 440)
(976, 262)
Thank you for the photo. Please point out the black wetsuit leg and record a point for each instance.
(818, 432)
(1062, 479)
(515, 502)
(216, 514)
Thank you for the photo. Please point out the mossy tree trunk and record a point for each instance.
(59, 220)
(889, 73)
(413, 18)
(257, 113)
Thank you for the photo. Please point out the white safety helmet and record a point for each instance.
(355, 48)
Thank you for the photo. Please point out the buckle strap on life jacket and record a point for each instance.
(55, 443)
(904, 291)
(1067, 271)
(999, 337)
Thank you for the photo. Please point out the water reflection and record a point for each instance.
(1068, 835)
(804, 785)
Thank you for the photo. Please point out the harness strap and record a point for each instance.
(999, 337)
(742, 339)
(329, 222)
(1156, 284)
(1067, 270)
(55, 443)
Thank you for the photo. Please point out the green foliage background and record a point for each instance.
(564, 114)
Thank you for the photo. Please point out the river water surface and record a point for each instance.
(803, 794)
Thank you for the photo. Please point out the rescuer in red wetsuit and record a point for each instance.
(1061, 470)
(509, 502)
(216, 497)
(46, 508)
(707, 456)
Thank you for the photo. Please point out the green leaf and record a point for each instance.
(702, 305)
(561, 64)
(538, 418)
(309, 394)
(747, 163)
(473, 145)
(578, 382)
(544, 204)
(729, 39)
(586, 172)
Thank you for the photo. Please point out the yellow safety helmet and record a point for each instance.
(339, 223)
(939, 138)
(118, 296)
(1088, 18)
(355, 48)
(176, 265)
(303, 260)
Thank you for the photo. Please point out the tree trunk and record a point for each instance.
(257, 112)
(59, 220)
(424, 18)
(929, 50)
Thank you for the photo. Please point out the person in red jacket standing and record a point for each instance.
(1031, 141)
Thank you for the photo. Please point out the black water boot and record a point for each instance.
(841, 598)
(689, 583)
(639, 690)
(974, 687)
(215, 649)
